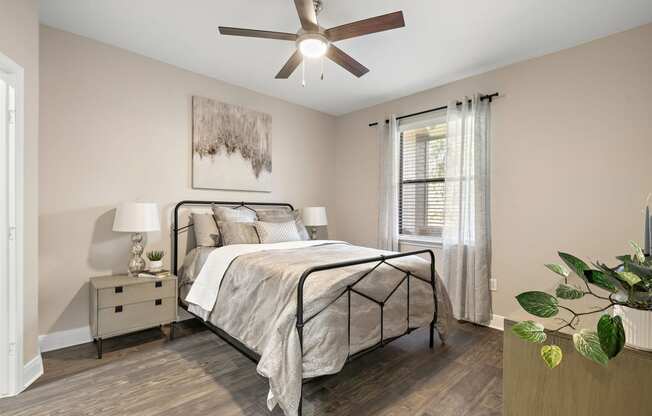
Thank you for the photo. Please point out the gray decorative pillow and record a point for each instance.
(284, 215)
(241, 214)
(277, 232)
(238, 233)
(206, 232)
(274, 214)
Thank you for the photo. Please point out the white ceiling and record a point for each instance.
(442, 41)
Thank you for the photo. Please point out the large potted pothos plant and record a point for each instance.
(629, 288)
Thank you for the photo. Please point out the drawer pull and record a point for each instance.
(118, 309)
(158, 284)
(158, 302)
(118, 289)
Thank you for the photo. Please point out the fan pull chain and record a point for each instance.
(322, 68)
(303, 72)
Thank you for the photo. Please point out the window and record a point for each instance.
(422, 169)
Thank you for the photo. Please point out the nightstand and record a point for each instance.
(124, 304)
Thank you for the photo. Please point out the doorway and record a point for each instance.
(11, 233)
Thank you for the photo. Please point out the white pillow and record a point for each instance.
(277, 232)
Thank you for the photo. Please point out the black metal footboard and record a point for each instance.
(379, 260)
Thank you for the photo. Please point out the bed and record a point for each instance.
(302, 309)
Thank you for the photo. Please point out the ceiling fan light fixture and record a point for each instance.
(313, 45)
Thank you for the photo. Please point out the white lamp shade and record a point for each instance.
(314, 216)
(136, 217)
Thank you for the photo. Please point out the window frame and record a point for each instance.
(435, 232)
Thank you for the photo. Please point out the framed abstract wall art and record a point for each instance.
(231, 147)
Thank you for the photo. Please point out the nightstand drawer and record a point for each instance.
(124, 318)
(134, 293)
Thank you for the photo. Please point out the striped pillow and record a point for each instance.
(277, 232)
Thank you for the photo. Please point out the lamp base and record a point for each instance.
(313, 233)
(136, 262)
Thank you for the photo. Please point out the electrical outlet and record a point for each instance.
(493, 284)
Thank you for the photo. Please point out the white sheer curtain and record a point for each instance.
(467, 226)
(388, 187)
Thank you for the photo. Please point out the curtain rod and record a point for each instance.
(482, 98)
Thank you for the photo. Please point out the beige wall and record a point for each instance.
(571, 155)
(19, 41)
(116, 127)
(572, 146)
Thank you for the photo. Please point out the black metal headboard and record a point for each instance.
(176, 229)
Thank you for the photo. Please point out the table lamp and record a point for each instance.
(314, 217)
(136, 218)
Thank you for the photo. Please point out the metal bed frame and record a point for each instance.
(301, 321)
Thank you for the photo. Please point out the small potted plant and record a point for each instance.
(629, 293)
(155, 260)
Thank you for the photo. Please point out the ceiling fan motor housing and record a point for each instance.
(319, 5)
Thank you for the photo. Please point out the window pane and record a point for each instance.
(423, 163)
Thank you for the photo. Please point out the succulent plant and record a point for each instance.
(628, 284)
(155, 255)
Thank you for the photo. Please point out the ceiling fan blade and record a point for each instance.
(338, 56)
(307, 15)
(365, 27)
(290, 66)
(265, 34)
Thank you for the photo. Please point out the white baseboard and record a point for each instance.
(63, 339)
(71, 337)
(497, 322)
(32, 371)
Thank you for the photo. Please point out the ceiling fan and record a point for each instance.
(313, 41)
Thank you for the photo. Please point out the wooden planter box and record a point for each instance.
(578, 387)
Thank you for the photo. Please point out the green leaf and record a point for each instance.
(539, 304)
(600, 279)
(568, 292)
(551, 355)
(530, 331)
(587, 344)
(575, 264)
(611, 334)
(638, 252)
(560, 270)
(614, 277)
(643, 272)
(629, 278)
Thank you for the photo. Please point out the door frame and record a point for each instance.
(12, 233)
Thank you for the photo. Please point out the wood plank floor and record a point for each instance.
(199, 374)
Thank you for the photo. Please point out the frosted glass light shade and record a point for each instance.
(314, 216)
(136, 217)
(313, 48)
